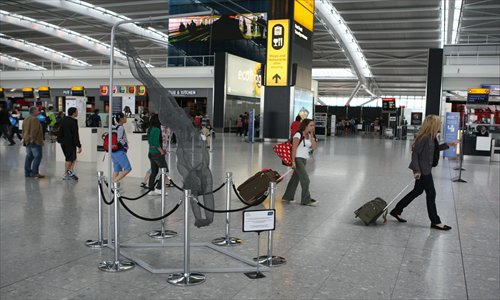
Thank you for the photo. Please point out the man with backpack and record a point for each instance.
(69, 139)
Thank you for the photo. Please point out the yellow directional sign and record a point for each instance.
(478, 91)
(277, 52)
(303, 13)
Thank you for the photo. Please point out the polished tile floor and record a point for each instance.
(330, 254)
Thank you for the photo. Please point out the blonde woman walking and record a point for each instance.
(425, 155)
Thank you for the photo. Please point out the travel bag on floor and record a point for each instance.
(372, 210)
(254, 189)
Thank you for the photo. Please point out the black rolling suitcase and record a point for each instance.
(372, 210)
(255, 189)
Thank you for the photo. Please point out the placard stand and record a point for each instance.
(258, 221)
(256, 274)
(461, 158)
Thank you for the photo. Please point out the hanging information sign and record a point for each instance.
(277, 52)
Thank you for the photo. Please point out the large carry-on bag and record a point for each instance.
(372, 210)
(255, 189)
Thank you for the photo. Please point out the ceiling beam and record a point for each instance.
(396, 31)
(472, 6)
(390, 10)
(380, 41)
(383, 21)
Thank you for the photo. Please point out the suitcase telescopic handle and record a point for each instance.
(386, 208)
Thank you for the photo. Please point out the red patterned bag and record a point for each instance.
(284, 151)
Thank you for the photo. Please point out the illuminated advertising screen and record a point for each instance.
(303, 104)
(244, 77)
(389, 104)
(225, 27)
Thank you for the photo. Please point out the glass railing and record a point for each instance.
(155, 61)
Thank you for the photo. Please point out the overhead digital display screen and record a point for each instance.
(225, 27)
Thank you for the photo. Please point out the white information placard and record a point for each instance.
(259, 220)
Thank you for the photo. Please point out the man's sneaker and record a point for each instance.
(70, 176)
(288, 200)
(38, 176)
(312, 203)
(156, 192)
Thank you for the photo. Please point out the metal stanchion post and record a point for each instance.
(186, 278)
(100, 242)
(270, 260)
(227, 240)
(162, 233)
(117, 265)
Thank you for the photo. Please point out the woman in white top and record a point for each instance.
(303, 143)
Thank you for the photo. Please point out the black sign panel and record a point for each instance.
(29, 95)
(44, 94)
(416, 118)
(477, 98)
(302, 36)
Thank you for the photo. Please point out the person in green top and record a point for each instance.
(52, 117)
(156, 153)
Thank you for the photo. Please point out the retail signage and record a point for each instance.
(277, 52)
(477, 95)
(303, 13)
(389, 104)
(104, 90)
(259, 220)
(182, 92)
(416, 118)
(141, 90)
(243, 77)
(451, 132)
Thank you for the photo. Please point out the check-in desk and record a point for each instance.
(89, 138)
(137, 155)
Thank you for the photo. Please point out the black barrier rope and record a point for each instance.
(149, 219)
(104, 197)
(216, 190)
(222, 211)
(139, 197)
(208, 193)
(175, 185)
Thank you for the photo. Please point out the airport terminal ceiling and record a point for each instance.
(394, 35)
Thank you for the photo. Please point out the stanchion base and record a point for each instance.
(458, 180)
(182, 279)
(274, 261)
(255, 275)
(116, 266)
(456, 169)
(96, 243)
(230, 241)
(158, 234)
